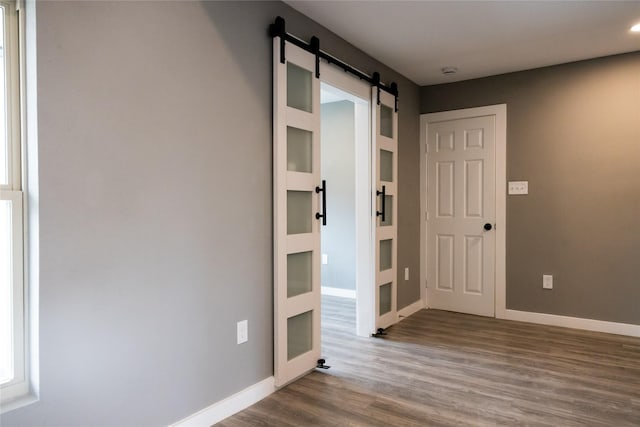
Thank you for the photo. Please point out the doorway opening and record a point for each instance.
(346, 262)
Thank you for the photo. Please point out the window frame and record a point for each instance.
(12, 85)
(13, 191)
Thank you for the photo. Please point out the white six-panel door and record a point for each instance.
(385, 133)
(297, 202)
(461, 215)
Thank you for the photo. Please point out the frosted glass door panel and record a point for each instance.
(298, 212)
(386, 121)
(299, 334)
(299, 150)
(386, 166)
(385, 298)
(385, 254)
(299, 88)
(299, 273)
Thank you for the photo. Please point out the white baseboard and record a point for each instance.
(410, 309)
(338, 292)
(571, 322)
(229, 406)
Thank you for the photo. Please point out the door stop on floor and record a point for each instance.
(379, 333)
(321, 364)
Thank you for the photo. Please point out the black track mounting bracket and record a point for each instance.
(315, 49)
(376, 82)
(277, 29)
(394, 90)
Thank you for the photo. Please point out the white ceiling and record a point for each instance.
(480, 38)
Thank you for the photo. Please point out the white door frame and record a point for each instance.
(365, 251)
(500, 113)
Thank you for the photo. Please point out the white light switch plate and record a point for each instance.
(547, 281)
(406, 273)
(243, 331)
(518, 187)
(325, 259)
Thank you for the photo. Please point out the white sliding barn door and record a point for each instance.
(385, 134)
(297, 201)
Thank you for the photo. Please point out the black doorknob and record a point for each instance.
(488, 226)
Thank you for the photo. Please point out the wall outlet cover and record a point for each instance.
(547, 281)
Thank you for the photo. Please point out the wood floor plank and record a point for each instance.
(438, 368)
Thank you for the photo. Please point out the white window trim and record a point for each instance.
(17, 392)
(19, 385)
(13, 93)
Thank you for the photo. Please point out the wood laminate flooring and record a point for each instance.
(438, 368)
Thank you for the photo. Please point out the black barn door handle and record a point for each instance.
(384, 210)
(323, 215)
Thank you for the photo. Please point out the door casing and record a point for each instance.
(365, 251)
(500, 113)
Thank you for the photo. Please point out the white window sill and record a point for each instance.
(18, 402)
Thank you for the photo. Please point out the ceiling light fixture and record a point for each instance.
(636, 28)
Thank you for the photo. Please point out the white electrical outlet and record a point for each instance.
(518, 187)
(406, 273)
(547, 281)
(243, 331)
(325, 259)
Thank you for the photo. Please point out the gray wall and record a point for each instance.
(573, 131)
(155, 205)
(338, 168)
